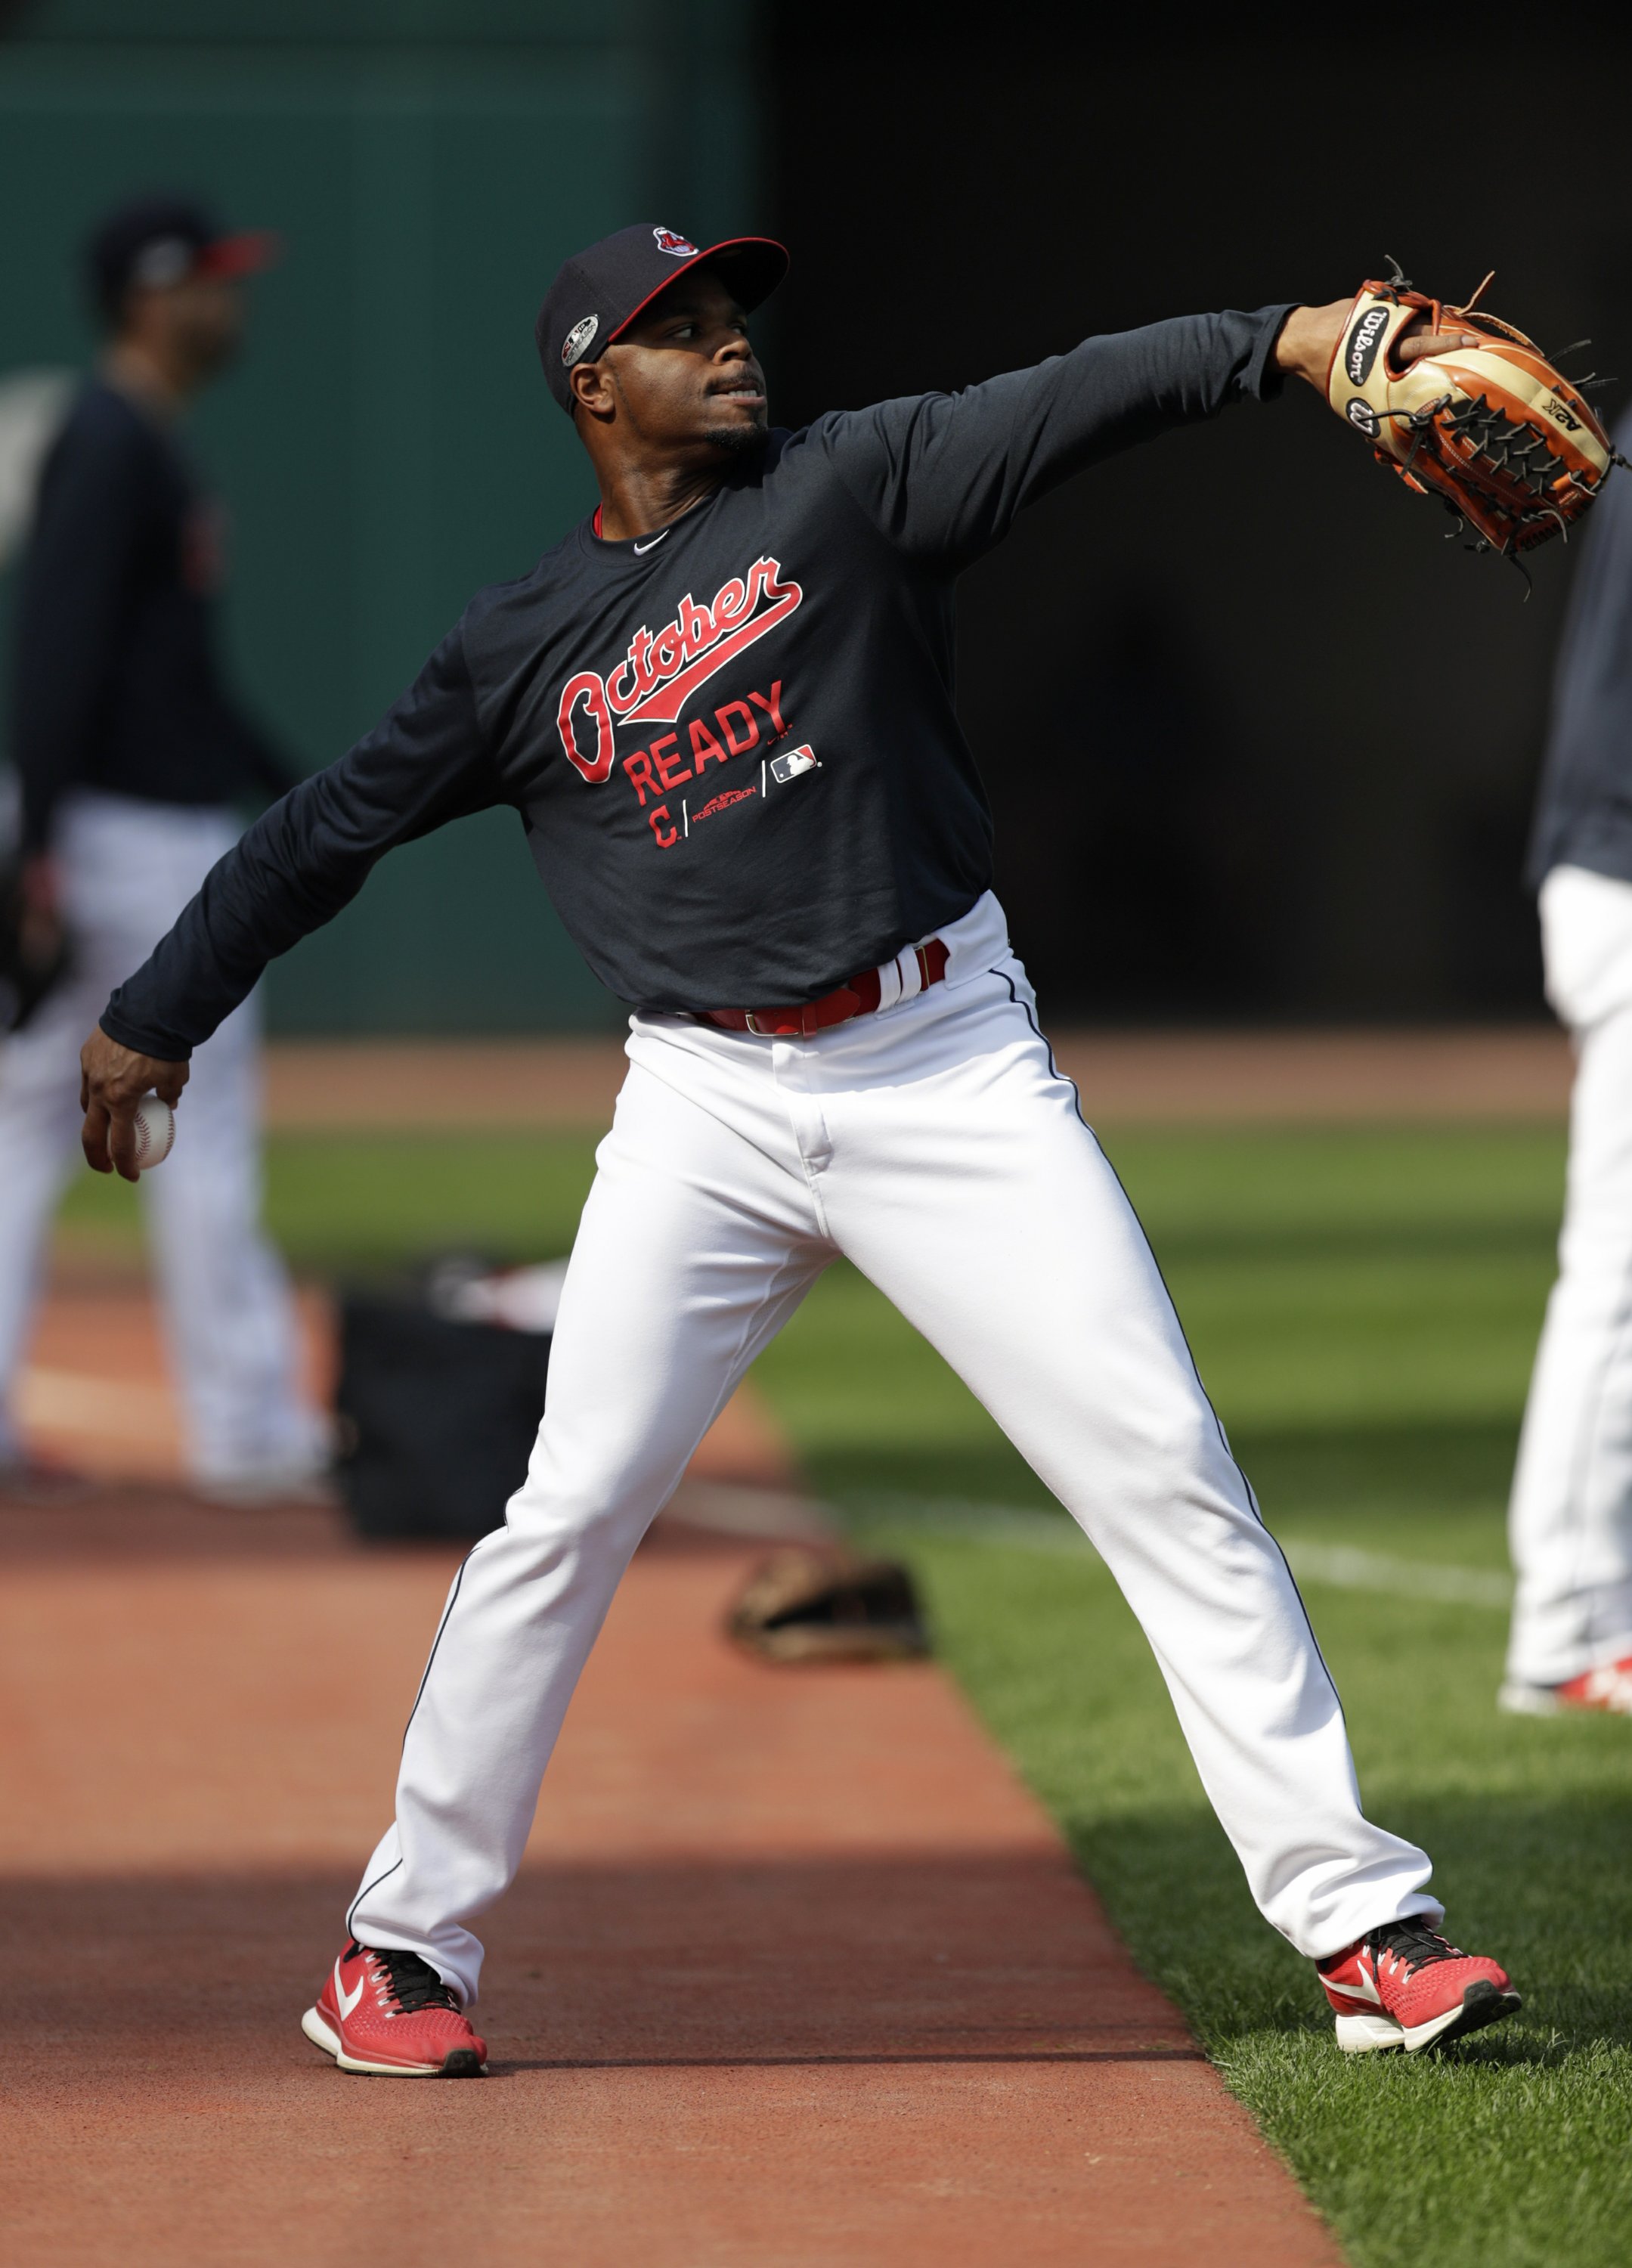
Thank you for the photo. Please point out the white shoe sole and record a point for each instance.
(1542, 1701)
(1365, 2035)
(1367, 2031)
(322, 2035)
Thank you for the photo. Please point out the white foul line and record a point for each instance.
(1343, 1566)
(1349, 1569)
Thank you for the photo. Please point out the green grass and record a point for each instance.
(1364, 1305)
(1512, 2148)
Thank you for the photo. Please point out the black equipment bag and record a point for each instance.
(437, 1417)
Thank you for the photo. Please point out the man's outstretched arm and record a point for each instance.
(297, 866)
(942, 476)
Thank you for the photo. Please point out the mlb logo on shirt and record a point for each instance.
(784, 769)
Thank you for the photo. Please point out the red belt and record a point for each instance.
(862, 996)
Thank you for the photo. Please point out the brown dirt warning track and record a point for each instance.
(794, 1973)
(1160, 1077)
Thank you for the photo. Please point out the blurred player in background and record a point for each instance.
(1572, 1513)
(130, 755)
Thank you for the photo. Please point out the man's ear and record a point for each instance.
(591, 390)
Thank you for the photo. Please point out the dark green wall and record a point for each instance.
(388, 444)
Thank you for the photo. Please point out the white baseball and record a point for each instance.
(155, 1131)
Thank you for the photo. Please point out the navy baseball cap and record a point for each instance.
(151, 242)
(596, 294)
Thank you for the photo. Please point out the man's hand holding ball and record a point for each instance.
(129, 1102)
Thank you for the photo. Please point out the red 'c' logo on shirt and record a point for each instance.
(658, 676)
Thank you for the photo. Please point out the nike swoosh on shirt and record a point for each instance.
(348, 2000)
(655, 539)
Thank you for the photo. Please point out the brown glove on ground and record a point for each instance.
(828, 1605)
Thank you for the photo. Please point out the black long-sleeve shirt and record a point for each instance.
(1584, 811)
(732, 743)
(114, 684)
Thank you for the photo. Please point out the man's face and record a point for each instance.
(683, 375)
(197, 325)
(209, 315)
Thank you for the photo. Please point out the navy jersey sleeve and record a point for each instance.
(424, 763)
(942, 476)
(75, 577)
(1584, 811)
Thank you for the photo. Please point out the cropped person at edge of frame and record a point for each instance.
(1570, 1516)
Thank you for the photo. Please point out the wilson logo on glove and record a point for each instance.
(1364, 341)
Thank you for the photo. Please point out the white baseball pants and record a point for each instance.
(128, 867)
(1570, 1516)
(935, 1145)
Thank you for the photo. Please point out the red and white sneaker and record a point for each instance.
(390, 2012)
(1605, 1690)
(1403, 1986)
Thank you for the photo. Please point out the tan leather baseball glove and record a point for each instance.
(1509, 443)
(826, 1604)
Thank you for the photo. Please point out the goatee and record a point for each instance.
(739, 440)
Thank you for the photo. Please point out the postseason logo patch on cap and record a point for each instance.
(679, 248)
(165, 262)
(578, 340)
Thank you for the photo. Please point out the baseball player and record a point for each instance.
(723, 711)
(1571, 1511)
(130, 755)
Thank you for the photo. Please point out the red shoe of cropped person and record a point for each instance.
(1606, 1691)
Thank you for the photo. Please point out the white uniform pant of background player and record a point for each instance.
(1572, 1513)
(128, 868)
(936, 1147)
